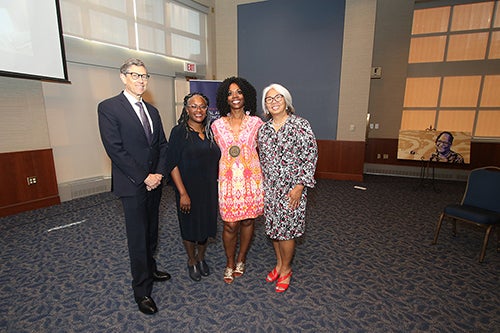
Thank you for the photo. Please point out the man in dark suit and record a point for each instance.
(132, 134)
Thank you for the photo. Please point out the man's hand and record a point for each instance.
(153, 180)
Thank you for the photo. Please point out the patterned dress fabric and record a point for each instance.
(198, 162)
(240, 177)
(288, 157)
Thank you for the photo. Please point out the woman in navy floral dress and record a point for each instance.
(288, 153)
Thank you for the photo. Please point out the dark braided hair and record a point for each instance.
(184, 117)
(248, 90)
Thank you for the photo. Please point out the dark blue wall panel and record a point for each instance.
(297, 43)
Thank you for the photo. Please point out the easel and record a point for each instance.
(427, 167)
(424, 170)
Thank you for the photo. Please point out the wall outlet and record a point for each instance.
(376, 72)
(31, 180)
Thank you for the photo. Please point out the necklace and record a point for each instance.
(281, 123)
(199, 130)
(234, 150)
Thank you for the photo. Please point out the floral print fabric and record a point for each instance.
(240, 177)
(288, 157)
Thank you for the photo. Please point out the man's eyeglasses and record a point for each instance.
(201, 107)
(135, 76)
(444, 143)
(278, 98)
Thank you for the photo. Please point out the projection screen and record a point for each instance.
(31, 42)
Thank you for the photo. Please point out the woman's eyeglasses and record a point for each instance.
(195, 107)
(278, 98)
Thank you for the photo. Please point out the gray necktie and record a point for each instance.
(145, 122)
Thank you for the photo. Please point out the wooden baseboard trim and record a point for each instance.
(29, 205)
(339, 176)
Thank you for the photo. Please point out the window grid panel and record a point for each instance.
(418, 119)
(496, 22)
(184, 19)
(151, 10)
(115, 5)
(461, 102)
(185, 47)
(114, 22)
(72, 19)
(460, 91)
(494, 52)
(151, 39)
(472, 16)
(111, 29)
(487, 123)
(427, 49)
(467, 47)
(456, 120)
(422, 92)
(430, 20)
(491, 91)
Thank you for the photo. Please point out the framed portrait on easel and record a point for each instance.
(435, 146)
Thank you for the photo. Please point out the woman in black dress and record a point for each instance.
(193, 159)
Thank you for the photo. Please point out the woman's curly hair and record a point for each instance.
(184, 117)
(248, 90)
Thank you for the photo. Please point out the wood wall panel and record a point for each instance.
(341, 160)
(15, 193)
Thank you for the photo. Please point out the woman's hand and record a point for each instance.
(185, 203)
(294, 195)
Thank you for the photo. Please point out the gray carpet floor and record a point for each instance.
(365, 264)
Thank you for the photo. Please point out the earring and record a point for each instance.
(247, 113)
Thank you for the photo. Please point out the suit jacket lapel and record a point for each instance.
(131, 113)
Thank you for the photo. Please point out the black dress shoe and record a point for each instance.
(147, 305)
(161, 276)
(203, 267)
(194, 272)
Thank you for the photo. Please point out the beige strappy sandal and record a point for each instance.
(240, 269)
(228, 275)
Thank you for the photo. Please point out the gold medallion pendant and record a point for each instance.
(234, 151)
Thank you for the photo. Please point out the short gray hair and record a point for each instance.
(283, 91)
(131, 62)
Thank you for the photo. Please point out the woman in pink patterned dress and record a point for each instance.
(241, 198)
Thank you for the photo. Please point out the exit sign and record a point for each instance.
(189, 67)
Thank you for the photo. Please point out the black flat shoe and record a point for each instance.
(147, 305)
(160, 276)
(203, 267)
(194, 273)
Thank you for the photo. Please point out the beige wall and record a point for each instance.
(390, 51)
(359, 29)
(71, 109)
(71, 112)
(36, 115)
(226, 37)
(23, 125)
